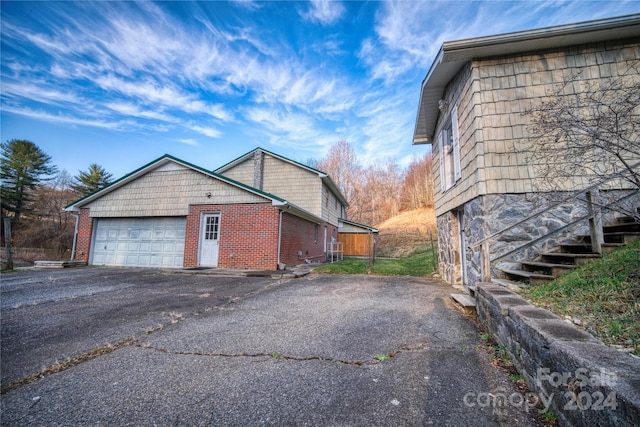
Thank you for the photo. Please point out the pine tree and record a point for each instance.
(23, 166)
(95, 178)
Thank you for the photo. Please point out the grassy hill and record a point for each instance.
(402, 234)
(602, 296)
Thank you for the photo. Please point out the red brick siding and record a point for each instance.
(299, 235)
(248, 235)
(85, 230)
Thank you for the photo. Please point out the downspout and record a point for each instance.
(75, 237)
(280, 233)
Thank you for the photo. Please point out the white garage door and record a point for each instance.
(139, 242)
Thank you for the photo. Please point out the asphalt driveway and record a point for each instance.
(158, 348)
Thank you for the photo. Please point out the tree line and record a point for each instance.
(34, 191)
(378, 191)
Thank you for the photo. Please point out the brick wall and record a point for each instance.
(85, 230)
(300, 235)
(248, 235)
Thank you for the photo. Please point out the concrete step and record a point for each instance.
(528, 276)
(555, 270)
(59, 264)
(466, 303)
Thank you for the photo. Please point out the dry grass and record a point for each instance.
(401, 235)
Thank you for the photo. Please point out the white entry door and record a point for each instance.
(209, 235)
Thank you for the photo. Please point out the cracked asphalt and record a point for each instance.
(149, 347)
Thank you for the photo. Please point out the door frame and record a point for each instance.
(201, 233)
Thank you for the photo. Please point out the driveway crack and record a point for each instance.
(377, 359)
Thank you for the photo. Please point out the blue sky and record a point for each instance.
(121, 83)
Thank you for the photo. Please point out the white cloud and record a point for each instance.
(324, 12)
(189, 141)
(207, 131)
(65, 119)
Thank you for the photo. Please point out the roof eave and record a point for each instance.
(454, 54)
(75, 206)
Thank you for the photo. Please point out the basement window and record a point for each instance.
(449, 150)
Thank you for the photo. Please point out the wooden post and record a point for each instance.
(595, 222)
(485, 261)
(7, 242)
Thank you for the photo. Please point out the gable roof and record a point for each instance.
(326, 179)
(166, 159)
(161, 161)
(454, 54)
(358, 225)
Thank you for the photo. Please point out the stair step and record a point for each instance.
(624, 220)
(623, 227)
(510, 284)
(555, 270)
(619, 237)
(533, 278)
(585, 248)
(466, 302)
(576, 259)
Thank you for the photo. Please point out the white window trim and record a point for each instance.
(457, 172)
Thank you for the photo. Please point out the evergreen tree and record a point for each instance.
(23, 166)
(91, 180)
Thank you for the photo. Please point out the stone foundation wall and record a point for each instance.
(486, 215)
(583, 381)
(449, 248)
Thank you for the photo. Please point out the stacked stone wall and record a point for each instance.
(584, 382)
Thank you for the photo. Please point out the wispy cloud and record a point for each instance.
(325, 12)
(297, 75)
(189, 141)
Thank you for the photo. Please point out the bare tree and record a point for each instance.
(417, 189)
(341, 163)
(48, 226)
(379, 196)
(588, 130)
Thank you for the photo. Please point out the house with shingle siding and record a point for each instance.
(473, 113)
(173, 214)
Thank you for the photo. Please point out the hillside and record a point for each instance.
(403, 233)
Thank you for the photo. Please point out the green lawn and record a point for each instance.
(604, 295)
(419, 263)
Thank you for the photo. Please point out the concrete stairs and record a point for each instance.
(552, 265)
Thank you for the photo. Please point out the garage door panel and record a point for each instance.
(139, 242)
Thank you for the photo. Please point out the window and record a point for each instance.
(211, 228)
(315, 233)
(449, 147)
